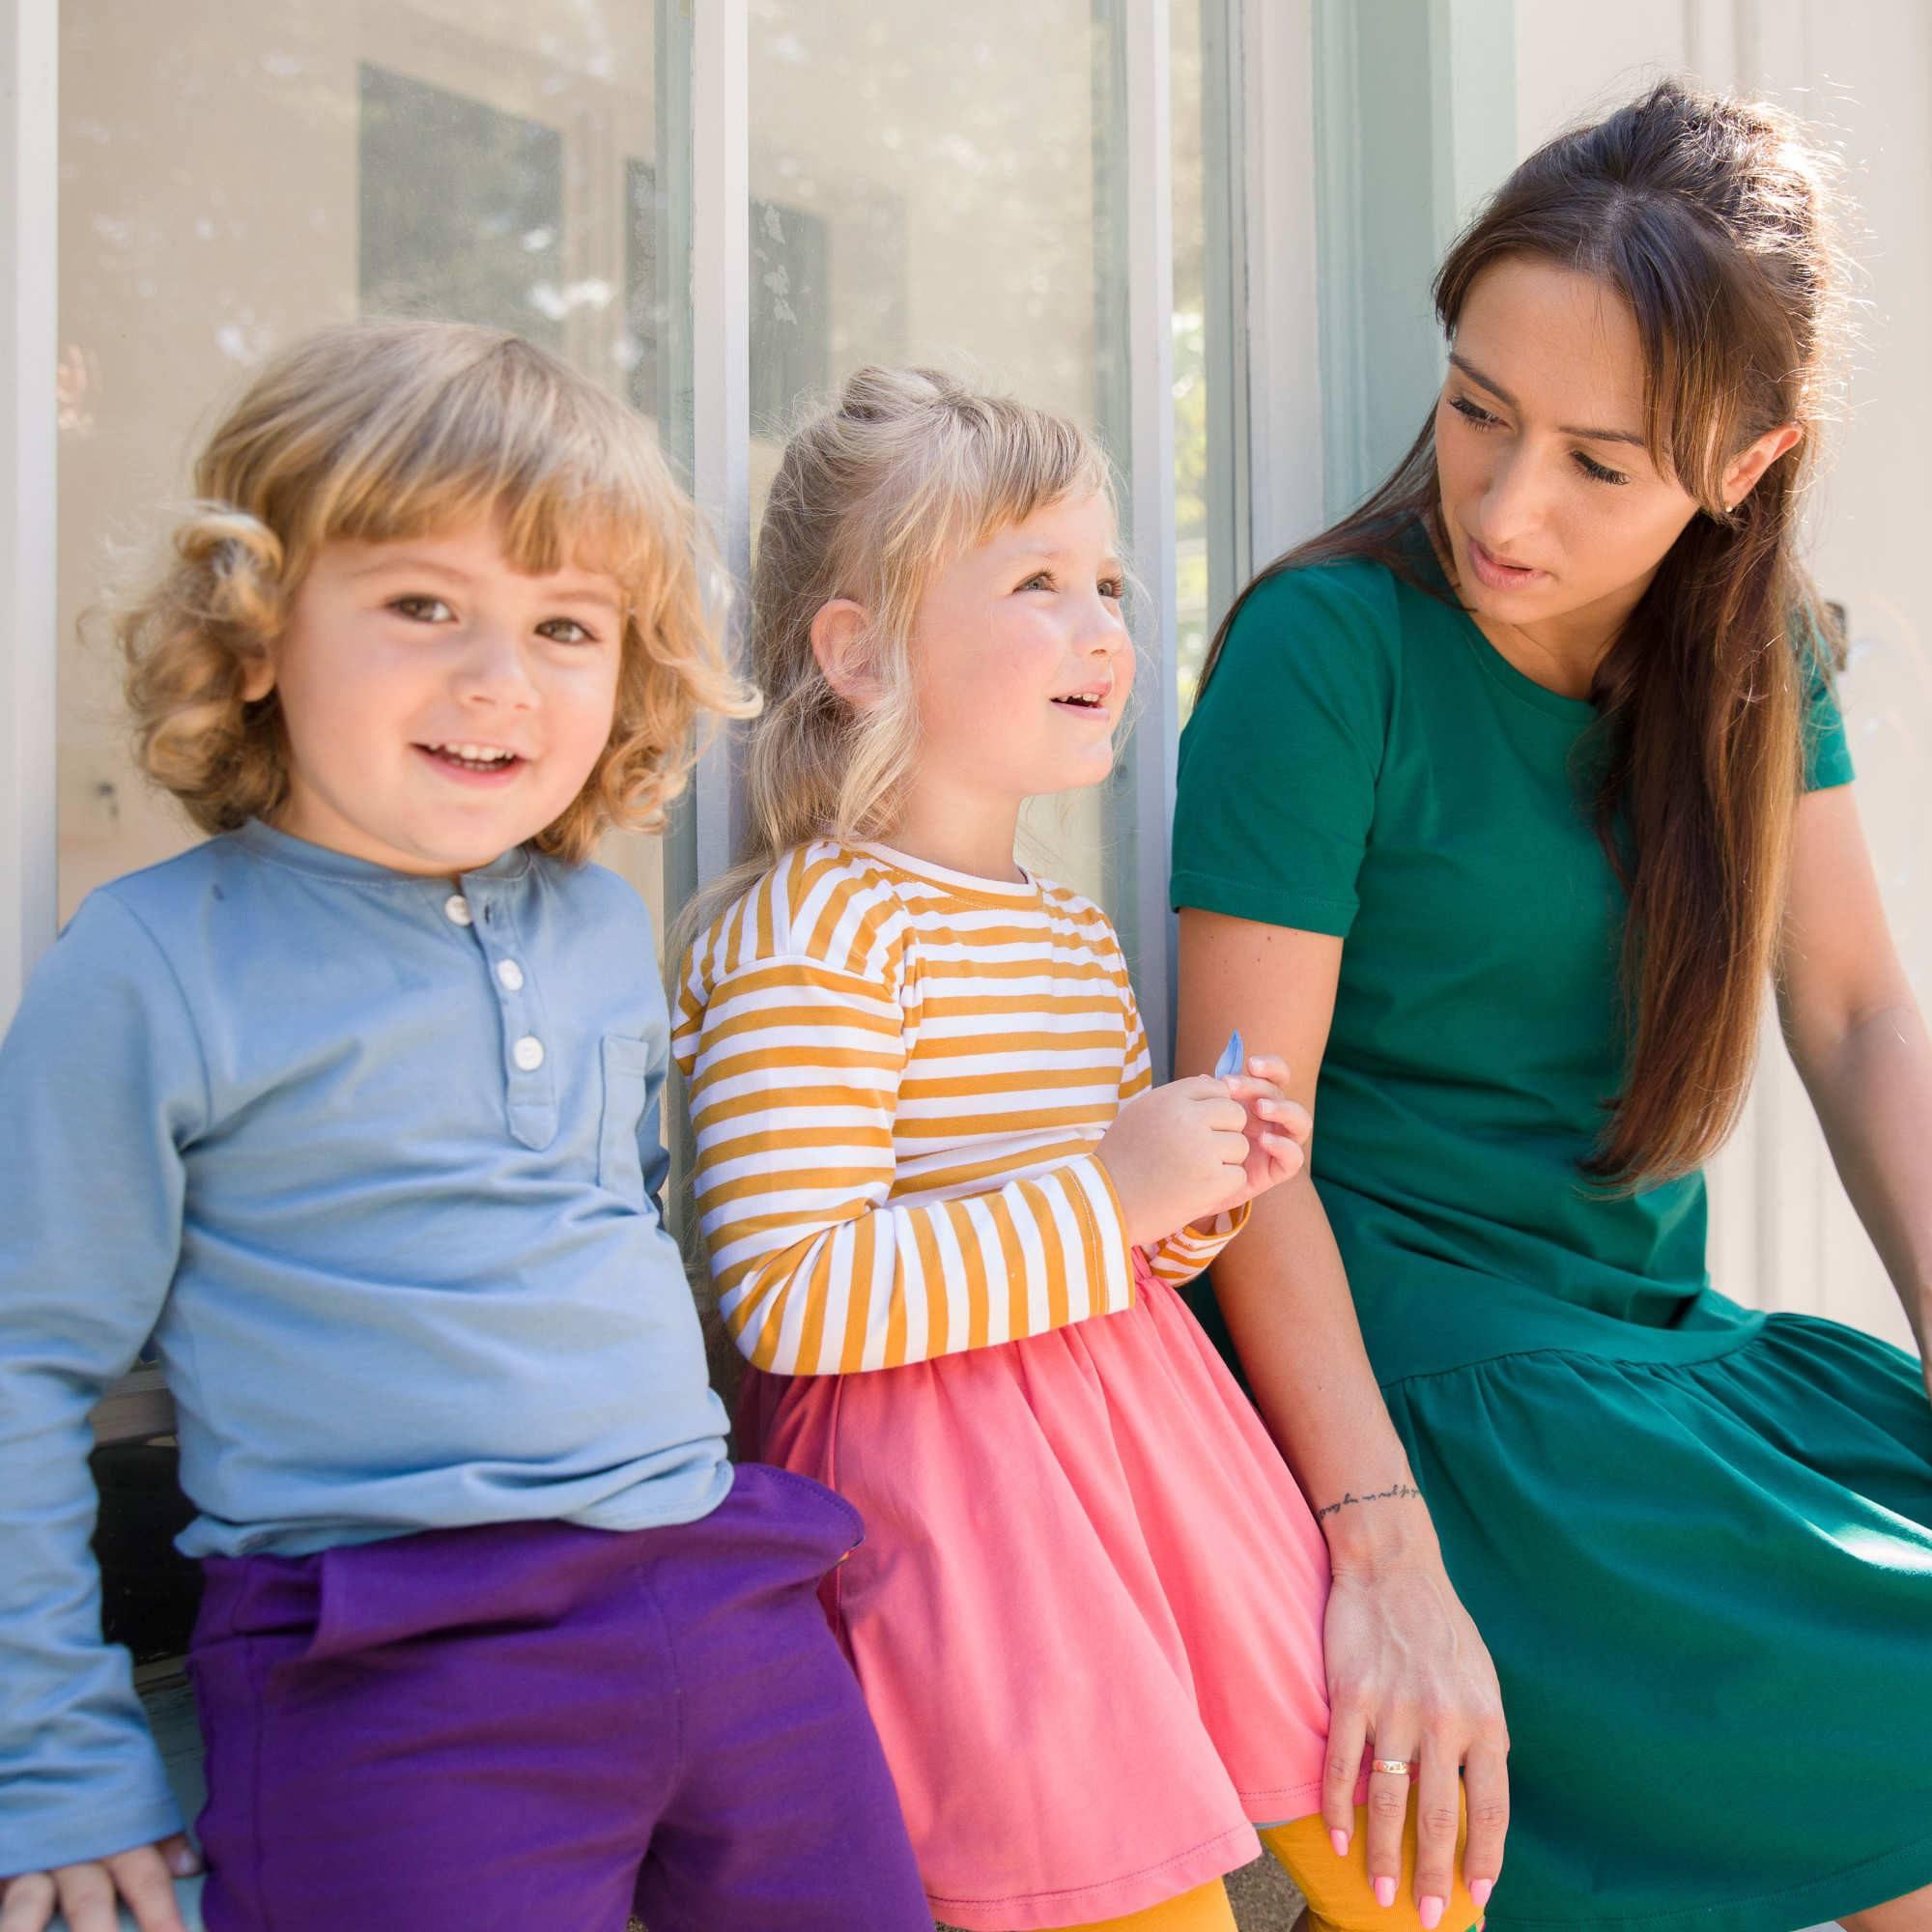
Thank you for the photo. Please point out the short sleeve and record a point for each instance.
(1279, 763)
(1828, 752)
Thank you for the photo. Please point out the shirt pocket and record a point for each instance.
(627, 1065)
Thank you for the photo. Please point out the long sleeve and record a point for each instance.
(1181, 1256)
(795, 1068)
(100, 1085)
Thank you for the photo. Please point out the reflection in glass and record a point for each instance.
(943, 185)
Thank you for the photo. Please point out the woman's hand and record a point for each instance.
(1278, 1129)
(1409, 1678)
(88, 1895)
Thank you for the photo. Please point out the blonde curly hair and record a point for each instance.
(377, 431)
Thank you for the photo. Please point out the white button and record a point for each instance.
(456, 909)
(511, 975)
(527, 1053)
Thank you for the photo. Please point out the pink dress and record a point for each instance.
(1087, 1613)
(1087, 1610)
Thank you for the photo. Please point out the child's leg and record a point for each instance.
(1338, 1895)
(1204, 1909)
(784, 1812)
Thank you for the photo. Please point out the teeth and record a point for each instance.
(476, 754)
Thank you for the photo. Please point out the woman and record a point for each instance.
(1501, 801)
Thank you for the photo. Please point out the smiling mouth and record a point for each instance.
(1082, 702)
(470, 757)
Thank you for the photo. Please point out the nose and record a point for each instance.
(493, 672)
(1511, 499)
(1104, 633)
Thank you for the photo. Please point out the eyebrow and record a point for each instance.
(1054, 555)
(429, 566)
(1502, 395)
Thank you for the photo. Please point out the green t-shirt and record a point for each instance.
(1363, 762)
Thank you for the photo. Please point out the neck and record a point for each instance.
(1565, 652)
(955, 829)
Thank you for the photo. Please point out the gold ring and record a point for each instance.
(1396, 1767)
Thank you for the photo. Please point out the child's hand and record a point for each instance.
(88, 1894)
(1174, 1154)
(1278, 1129)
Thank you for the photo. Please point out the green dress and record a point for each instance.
(1696, 1539)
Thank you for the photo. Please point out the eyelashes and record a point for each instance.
(422, 609)
(1044, 580)
(1481, 419)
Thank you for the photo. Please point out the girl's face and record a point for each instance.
(1021, 661)
(1551, 507)
(440, 706)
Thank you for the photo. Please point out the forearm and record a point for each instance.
(1285, 1295)
(1872, 1090)
(890, 1284)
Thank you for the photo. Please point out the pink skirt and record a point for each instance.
(1087, 1613)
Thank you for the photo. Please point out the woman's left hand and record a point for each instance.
(1279, 1129)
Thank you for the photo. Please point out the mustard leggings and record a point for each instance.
(1337, 1890)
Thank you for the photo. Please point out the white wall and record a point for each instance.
(1861, 74)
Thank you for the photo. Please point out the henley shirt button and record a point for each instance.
(511, 975)
(456, 909)
(527, 1053)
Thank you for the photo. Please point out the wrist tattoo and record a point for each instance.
(1395, 1492)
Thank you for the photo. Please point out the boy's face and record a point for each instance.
(440, 706)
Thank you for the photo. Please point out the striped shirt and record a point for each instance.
(897, 1076)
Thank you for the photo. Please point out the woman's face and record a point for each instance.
(1551, 507)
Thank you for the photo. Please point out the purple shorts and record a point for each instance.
(530, 1726)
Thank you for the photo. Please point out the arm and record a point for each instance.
(1181, 1255)
(1859, 1043)
(1405, 1665)
(794, 1080)
(100, 1082)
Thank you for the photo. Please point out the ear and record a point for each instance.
(1741, 478)
(258, 675)
(838, 643)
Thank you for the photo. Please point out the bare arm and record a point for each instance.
(1407, 1669)
(1859, 1044)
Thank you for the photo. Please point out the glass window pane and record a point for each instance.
(232, 176)
(923, 195)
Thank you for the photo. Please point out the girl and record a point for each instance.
(354, 1107)
(1555, 696)
(946, 1213)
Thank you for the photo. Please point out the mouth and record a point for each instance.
(1092, 703)
(461, 758)
(1499, 572)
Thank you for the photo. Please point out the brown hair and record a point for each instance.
(1707, 216)
(376, 431)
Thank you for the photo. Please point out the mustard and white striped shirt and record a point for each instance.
(897, 1076)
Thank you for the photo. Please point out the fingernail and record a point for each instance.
(1385, 1892)
(1430, 1911)
(1340, 1840)
(1481, 1889)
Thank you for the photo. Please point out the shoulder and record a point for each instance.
(1354, 600)
(825, 904)
(1331, 630)
(1074, 910)
(592, 896)
(171, 904)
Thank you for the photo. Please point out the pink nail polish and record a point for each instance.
(1340, 1840)
(1481, 1889)
(1385, 1892)
(1429, 1912)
